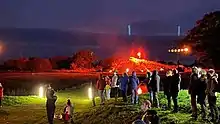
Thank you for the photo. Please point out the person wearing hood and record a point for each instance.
(134, 85)
(115, 86)
(50, 104)
(154, 88)
(1, 94)
(124, 80)
(211, 92)
(193, 89)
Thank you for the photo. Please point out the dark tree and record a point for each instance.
(83, 59)
(39, 65)
(204, 39)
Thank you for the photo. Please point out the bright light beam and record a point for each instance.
(90, 93)
(41, 92)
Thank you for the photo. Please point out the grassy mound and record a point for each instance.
(31, 109)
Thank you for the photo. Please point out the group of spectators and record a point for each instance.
(202, 87)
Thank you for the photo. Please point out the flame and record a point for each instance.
(139, 55)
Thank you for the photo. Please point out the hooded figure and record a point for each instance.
(211, 92)
(50, 104)
(134, 85)
(154, 88)
(1, 94)
(124, 80)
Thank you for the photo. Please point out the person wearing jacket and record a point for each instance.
(193, 89)
(1, 94)
(123, 86)
(115, 86)
(202, 93)
(166, 87)
(134, 85)
(68, 112)
(174, 88)
(50, 104)
(211, 92)
(100, 85)
(154, 88)
(107, 87)
(147, 79)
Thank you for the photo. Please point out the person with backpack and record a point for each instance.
(134, 87)
(1, 94)
(211, 92)
(123, 86)
(115, 86)
(154, 88)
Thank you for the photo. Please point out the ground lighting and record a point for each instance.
(41, 92)
(91, 94)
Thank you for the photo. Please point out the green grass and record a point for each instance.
(31, 109)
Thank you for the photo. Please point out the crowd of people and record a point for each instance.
(202, 87)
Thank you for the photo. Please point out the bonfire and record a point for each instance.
(139, 64)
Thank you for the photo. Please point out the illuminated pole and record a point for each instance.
(129, 30)
(91, 94)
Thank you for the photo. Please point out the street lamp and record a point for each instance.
(177, 51)
(91, 94)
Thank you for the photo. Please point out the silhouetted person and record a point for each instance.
(167, 86)
(134, 85)
(174, 88)
(154, 88)
(101, 87)
(194, 85)
(211, 92)
(1, 94)
(201, 93)
(124, 80)
(50, 104)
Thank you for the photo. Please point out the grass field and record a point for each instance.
(31, 109)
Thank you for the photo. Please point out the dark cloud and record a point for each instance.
(100, 15)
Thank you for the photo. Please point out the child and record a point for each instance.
(68, 112)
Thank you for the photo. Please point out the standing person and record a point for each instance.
(166, 87)
(100, 85)
(107, 87)
(68, 112)
(147, 79)
(134, 85)
(211, 91)
(124, 80)
(1, 94)
(154, 88)
(193, 89)
(174, 88)
(50, 104)
(202, 92)
(115, 85)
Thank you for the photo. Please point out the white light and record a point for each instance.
(90, 93)
(41, 92)
(139, 91)
(127, 70)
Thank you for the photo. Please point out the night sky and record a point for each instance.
(100, 15)
(108, 16)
